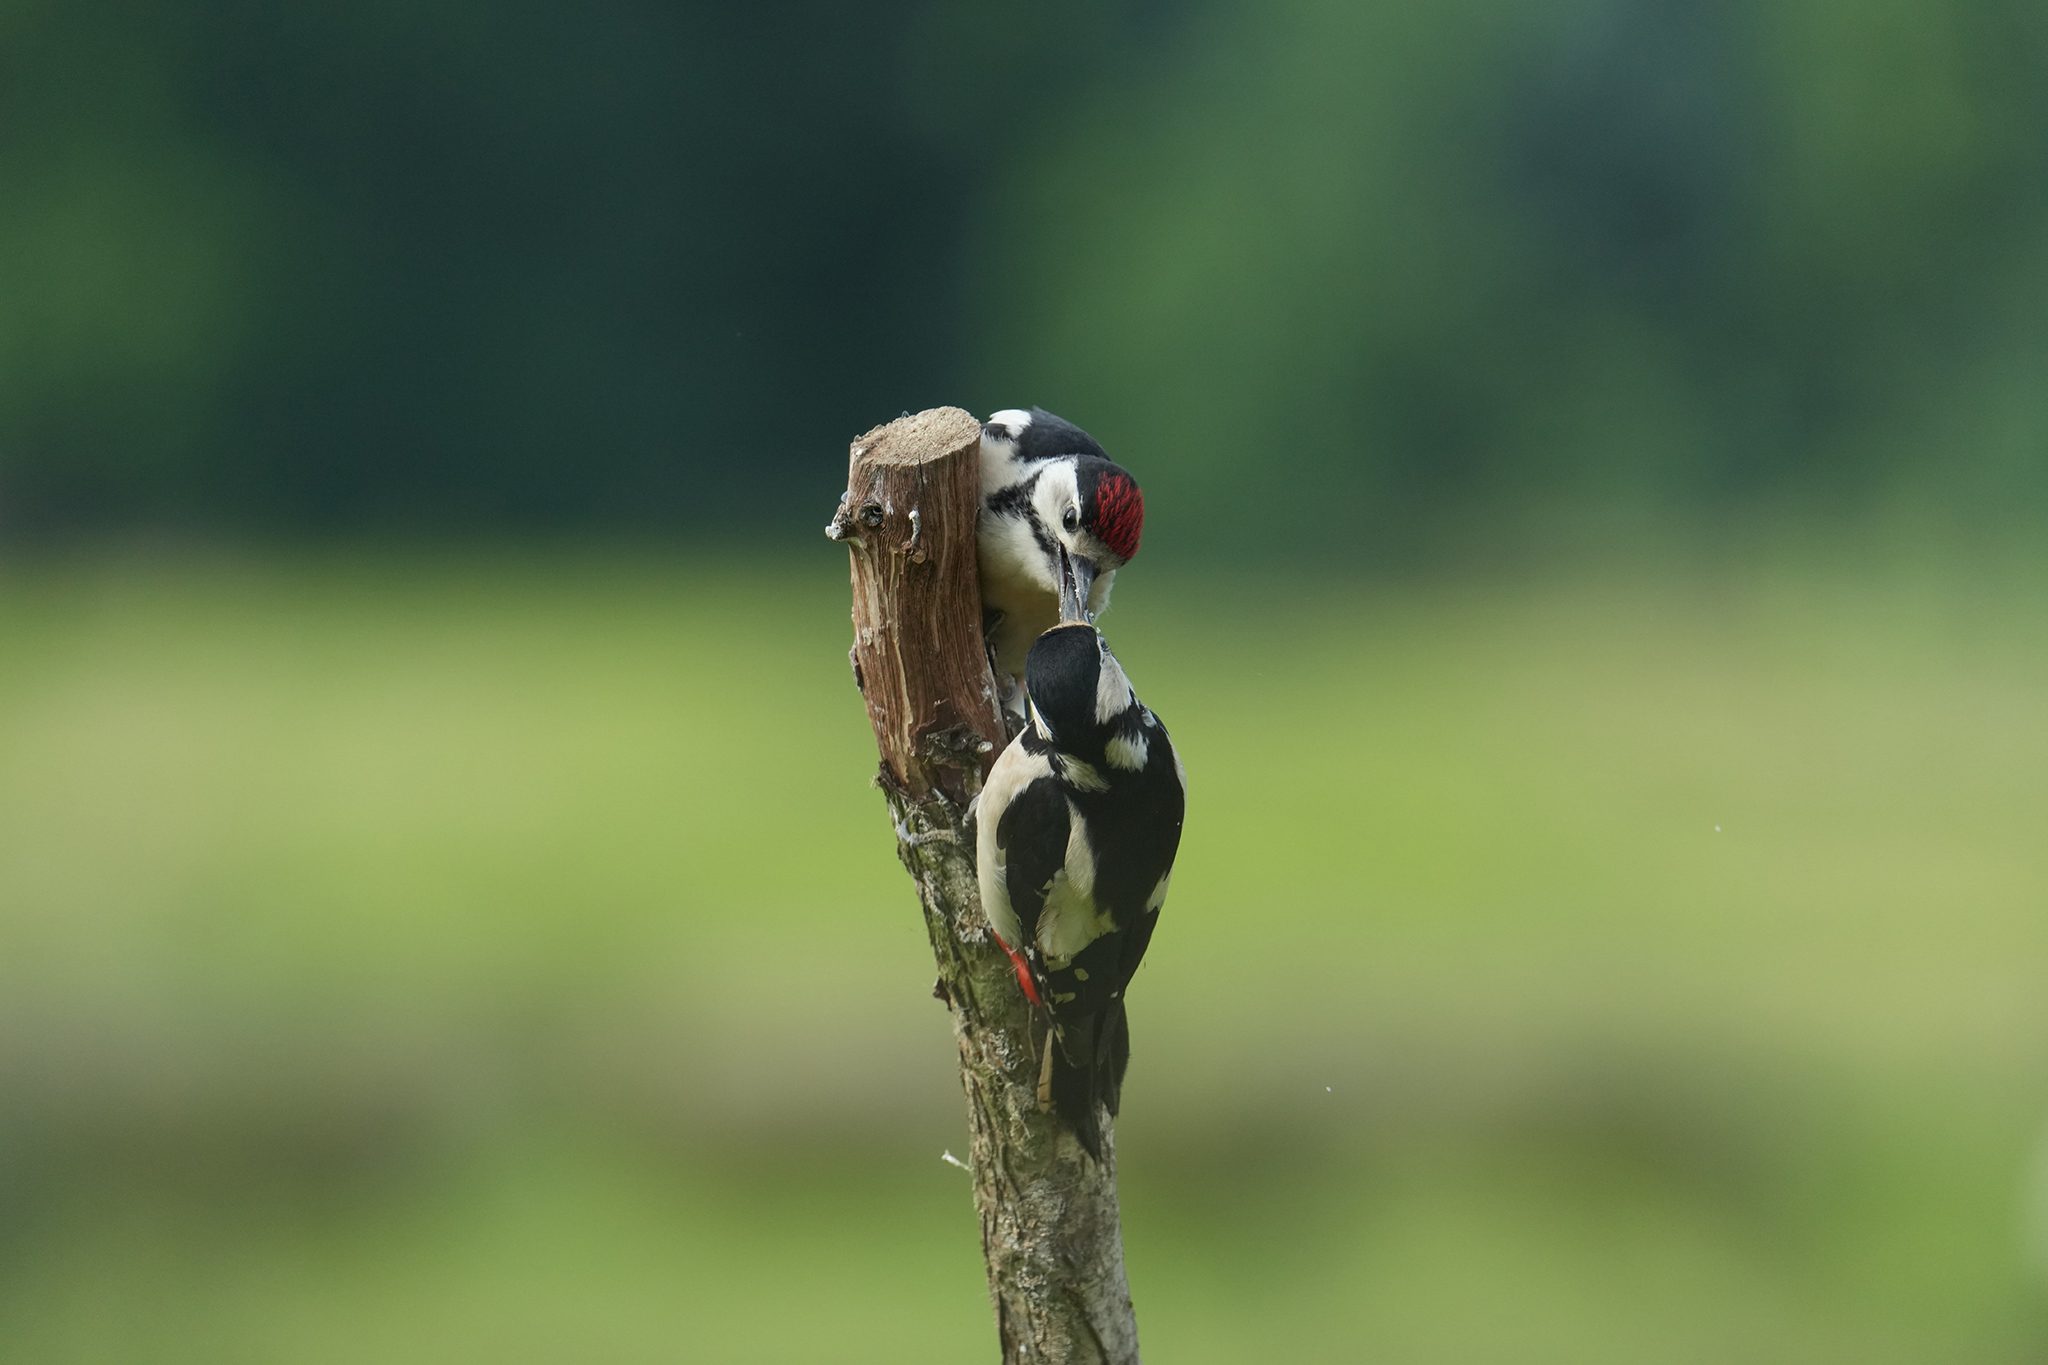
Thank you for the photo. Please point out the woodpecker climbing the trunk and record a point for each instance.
(1077, 829)
(1047, 485)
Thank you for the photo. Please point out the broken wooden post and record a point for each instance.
(1049, 1225)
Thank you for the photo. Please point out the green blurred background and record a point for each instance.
(442, 913)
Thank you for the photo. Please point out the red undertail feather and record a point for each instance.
(1023, 973)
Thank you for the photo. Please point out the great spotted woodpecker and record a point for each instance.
(1046, 485)
(1078, 825)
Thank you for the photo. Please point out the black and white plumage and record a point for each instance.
(1078, 826)
(1047, 485)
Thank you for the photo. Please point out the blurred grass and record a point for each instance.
(499, 958)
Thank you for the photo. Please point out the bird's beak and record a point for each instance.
(1077, 579)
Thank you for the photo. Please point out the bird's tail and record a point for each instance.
(1092, 1053)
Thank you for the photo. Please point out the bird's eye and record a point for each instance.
(1071, 518)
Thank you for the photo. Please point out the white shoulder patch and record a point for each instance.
(1058, 488)
(999, 467)
(1128, 754)
(1083, 775)
(1071, 921)
(1080, 865)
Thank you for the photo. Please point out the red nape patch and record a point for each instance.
(1023, 973)
(1119, 514)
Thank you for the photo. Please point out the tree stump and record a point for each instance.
(1049, 1224)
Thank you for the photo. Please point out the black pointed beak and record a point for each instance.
(1077, 580)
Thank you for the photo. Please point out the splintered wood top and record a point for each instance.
(920, 437)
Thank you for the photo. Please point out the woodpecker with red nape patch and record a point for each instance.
(1078, 825)
(1047, 485)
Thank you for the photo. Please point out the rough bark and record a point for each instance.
(1049, 1224)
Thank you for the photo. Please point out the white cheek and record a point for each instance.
(1057, 491)
(1045, 504)
(1011, 561)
